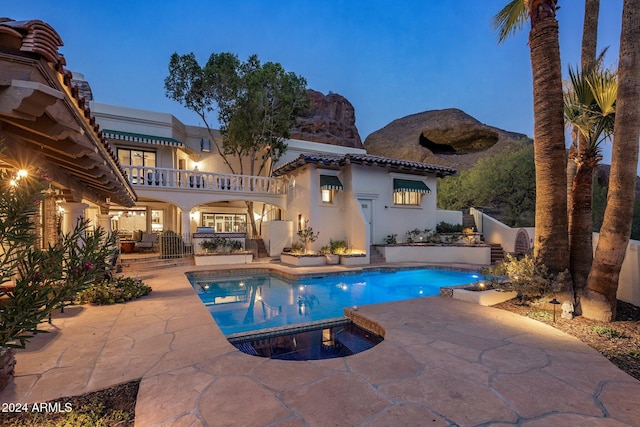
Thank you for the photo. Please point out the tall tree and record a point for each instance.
(590, 102)
(257, 106)
(551, 241)
(599, 299)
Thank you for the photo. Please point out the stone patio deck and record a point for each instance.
(443, 362)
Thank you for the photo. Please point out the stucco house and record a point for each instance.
(182, 184)
(138, 171)
(359, 198)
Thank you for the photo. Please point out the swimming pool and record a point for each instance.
(250, 302)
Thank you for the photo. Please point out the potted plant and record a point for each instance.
(332, 259)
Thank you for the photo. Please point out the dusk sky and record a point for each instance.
(388, 58)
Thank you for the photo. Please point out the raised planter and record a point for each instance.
(360, 259)
(222, 259)
(486, 298)
(468, 254)
(303, 260)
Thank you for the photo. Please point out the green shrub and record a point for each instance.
(297, 248)
(118, 290)
(445, 227)
(222, 245)
(391, 239)
(525, 276)
(337, 247)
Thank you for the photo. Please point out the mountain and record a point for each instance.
(447, 137)
(331, 119)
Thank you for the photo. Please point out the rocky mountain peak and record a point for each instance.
(331, 119)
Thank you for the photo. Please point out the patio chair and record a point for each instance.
(148, 241)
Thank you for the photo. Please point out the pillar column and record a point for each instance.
(186, 221)
(104, 221)
(72, 213)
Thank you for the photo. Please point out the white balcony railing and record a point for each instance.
(203, 181)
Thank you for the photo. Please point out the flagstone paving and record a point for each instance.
(443, 362)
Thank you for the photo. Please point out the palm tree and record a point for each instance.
(551, 241)
(599, 299)
(590, 110)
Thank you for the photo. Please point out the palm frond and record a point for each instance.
(510, 19)
(604, 86)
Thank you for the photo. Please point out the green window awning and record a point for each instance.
(137, 137)
(330, 182)
(410, 186)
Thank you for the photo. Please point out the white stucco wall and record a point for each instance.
(377, 184)
(477, 255)
(450, 217)
(278, 235)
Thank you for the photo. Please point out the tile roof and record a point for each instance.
(37, 39)
(337, 160)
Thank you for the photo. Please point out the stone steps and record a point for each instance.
(375, 257)
(497, 253)
(132, 264)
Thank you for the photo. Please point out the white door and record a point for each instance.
(367, 209)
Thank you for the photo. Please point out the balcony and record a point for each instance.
(176, 184)
(203, 181)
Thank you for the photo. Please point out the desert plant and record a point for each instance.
(297, 248)
(445, 227)
(391, 239)
(221, 245)
(411, 236)
(530, 279)
(608, 332)
(337, 247)
(114, 291)
(209, 245)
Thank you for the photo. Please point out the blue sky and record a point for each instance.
(388, 58)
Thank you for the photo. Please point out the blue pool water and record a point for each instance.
(251, 302)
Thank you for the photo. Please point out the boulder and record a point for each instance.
(331, 119)
(447, 137)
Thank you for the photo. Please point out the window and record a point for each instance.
(329, 184)
(409, 192)
(131, 157)
(225, 223)
(407, 198)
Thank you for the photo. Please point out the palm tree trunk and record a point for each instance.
(551, 241)
(578, 144)
(599, 300)
(589, 35)
(580, 228)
